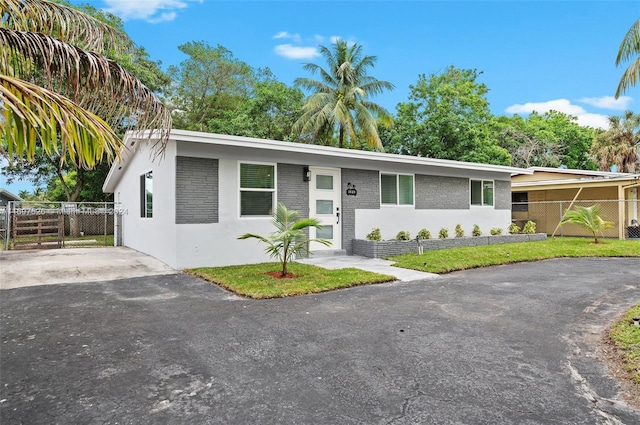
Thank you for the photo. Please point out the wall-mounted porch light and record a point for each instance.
(306, 174)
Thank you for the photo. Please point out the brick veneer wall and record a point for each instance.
(367, 183)
(442, 193)
(196, 190)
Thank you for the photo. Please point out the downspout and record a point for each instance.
(565, 213)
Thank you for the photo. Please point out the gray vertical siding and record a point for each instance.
(367, 184)
(441, 193)
(292, 191)
(196, 190)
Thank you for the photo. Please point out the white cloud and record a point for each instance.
(296, 52)
(608, 102)
(285, 34)
(152, 11)
(565, 106)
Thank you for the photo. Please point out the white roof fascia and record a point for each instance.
(620, 178)
(8, 194)
(291, 147)
(575, 171)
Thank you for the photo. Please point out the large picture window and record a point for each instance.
(482, 192)
(257, 189)
(146, 195)
(396, 189)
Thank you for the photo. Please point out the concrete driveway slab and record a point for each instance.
(55, 266)
(377, 265)
(503, 345)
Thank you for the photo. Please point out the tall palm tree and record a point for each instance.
(60, 92)
(629, 50)
(620, 145)
(340, 99)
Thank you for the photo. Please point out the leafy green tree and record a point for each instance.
(589, 218)
(289, 239)
(620, 145)
(447, 116)
(269, 113)
(210, 82)
(552, 139)
(61, 92)
(629, 51)
(340, 99)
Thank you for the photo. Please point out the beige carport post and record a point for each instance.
(565, 213)
(622, 216)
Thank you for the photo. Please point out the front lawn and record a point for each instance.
(626, 336)
(448, 260)
(256, 281)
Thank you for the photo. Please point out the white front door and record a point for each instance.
(325, 205)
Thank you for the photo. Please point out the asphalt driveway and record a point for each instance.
(510, 344)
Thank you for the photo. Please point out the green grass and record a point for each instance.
(448, 260)
(626, 336)
(253, 281)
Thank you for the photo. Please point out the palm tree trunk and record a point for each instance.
(341, 136)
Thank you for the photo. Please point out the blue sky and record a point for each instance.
(534, 55)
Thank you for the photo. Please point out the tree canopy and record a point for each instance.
(447, 117)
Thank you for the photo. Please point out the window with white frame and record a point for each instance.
(482, 192)
(257, 189)
(146, 195)
(396, 189)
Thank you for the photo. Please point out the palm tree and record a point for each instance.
(289, 238)
(629, 50)
(340, 99)
(589, 218)
(61, 93)
(620, 145)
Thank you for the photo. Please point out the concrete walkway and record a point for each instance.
(72, 265)
(376, 265)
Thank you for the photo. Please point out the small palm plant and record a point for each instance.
(589, 218)
(289, 239)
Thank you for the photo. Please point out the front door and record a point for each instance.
(325, 205)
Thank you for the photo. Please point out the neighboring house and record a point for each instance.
(188, 207)
(544, 194)
(6, 196)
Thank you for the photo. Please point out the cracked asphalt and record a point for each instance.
(511, 345)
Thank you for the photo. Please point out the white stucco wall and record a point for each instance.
(217, 244)
(391, 220)
(155, 236)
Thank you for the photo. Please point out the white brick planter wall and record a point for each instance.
(384, 249)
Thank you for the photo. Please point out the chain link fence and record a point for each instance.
(42, 224)
(548, 214)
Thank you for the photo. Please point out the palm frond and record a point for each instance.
(33, 115)
(630, 45)
(64, 23)
(89, 80)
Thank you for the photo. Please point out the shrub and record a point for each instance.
(476, 230)
(374, 235)
(529, 227)
(403, 235)
(289, 239)
(496, 231)
(443, 234)
(459, 231)
(513, 229)
(424, 234)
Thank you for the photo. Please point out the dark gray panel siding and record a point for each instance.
(441, 193)
(292, 191)
(502, 194)
(196, 190)
(367, 184)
